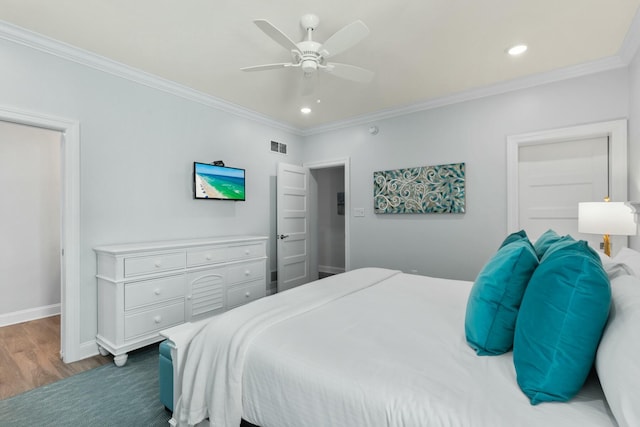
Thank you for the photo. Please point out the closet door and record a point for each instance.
(554, 177)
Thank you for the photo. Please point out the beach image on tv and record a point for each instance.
(216, 182)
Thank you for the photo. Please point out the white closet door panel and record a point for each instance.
(554, 177)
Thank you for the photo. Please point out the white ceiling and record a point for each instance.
(420, 50)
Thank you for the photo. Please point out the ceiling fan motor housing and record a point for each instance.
(310, 56)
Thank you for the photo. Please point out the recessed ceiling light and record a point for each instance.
(518, 49)
(305, 110)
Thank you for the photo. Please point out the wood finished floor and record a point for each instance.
(30, 357)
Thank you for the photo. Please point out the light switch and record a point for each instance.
(358, 211)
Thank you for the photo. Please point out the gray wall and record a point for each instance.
(474, 132)
(137, 145)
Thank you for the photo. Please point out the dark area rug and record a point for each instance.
(104, 396)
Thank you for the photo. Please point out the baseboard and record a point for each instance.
(29, 314)
(330, 270)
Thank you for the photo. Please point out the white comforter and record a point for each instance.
(371, 347)
(213, 370)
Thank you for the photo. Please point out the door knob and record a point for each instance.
(283, 236)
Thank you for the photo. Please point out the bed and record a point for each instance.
(378, 347)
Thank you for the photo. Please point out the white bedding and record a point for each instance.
(371, 347)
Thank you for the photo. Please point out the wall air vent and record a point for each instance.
(278, 147)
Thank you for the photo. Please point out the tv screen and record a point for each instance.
(218, 182)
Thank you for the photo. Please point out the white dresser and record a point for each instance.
(146, 287)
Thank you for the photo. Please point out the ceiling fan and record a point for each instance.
(311, 56)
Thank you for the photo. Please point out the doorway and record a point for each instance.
(71, 348)
(29, 223)
(330, 203)
(329, 223)
(297, 221)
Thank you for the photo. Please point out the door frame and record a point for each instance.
(70, 222)
(616, 130)
(344, 162)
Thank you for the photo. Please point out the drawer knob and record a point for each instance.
(157, 319)
(247, 272)
(247, 252)
(157, 291)
(208, 257)
(247, 294)
(188, 297)
(158, 263)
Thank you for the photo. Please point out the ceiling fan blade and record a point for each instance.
(345, 38)
(350, 72)
(278, 36)
(267, 67)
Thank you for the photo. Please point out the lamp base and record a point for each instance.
(606, 245)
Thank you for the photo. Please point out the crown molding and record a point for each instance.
(605, 64)
(37, 41)
(622, 59)
(63, 50)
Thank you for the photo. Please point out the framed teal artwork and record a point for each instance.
(425, 189)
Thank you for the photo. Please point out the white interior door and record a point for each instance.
(293, 225)
(554, 177)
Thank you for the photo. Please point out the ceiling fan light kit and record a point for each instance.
(311, 56)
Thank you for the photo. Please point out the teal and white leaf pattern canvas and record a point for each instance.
(426, 189)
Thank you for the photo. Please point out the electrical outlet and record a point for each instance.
(358, 211)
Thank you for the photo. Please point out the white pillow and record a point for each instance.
(613, 268)
(617, 359)
(629, 257)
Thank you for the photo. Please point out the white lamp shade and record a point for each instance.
(616, 218)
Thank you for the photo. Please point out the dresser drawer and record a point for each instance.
(136, 266)
(206, 256)
(245, 293)
(246, 251)
(245, 272)
(154, 320)
(153, 291)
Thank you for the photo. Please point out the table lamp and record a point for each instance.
(606, 218)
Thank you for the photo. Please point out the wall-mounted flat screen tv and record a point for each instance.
(218, 182)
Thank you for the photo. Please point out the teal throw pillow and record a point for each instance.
(561, 319)
(545, 241)
(568, 243)
(492, 307)
(514, 237)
